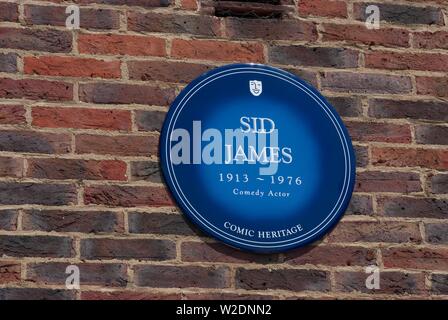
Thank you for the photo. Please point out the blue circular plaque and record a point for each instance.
(257, 158)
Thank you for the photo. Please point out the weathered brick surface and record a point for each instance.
(8, 219)
(48, 40)
(9, 272)
(80, 118)
(331, 255)
(55, 16)
(284, 279)
(314, 56)
(127, 196)
(114, 44)
(118, 93)
(146, 171)
(138, 249)
(76, 169)
(391, 282)
(107, 275)
(413, 207)
(36, 246)
(159, 223)
(416, 258)
(34, 89)
(439, 183)
(122, 145)
(34, 142)
(181, 277)
(402, 14)
(12, 114)
(378, 181)
(389, 231)
(37, 193)
(73, 221)
(8, 62)
(71, 67)
(217, 252)
(36, 294)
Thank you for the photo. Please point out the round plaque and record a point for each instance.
(257, 158)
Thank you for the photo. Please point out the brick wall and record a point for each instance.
(80, 114)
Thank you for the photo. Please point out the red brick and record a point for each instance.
(168, 71)
(181, 276)
(71, 67)
(410, 157)
(377, 181)
(11, 167)
(76, 169)
(160, 223)
(314, 56)
(431, 40)
(127, 196)
(123, 145)
(174, 23)
(138, 3)
(325, 8)
(55, 15)
(15, 193)
(105, 275)
(221, 296)
(81, 118)
(270, 29)
(391, 282)
(47, 40)
(380, 132)
(416, 258)
(217, 252)
(366, 83)
(401, 13)
(34, 89)
(419, 109)
(217, 50)
(360, 34)
(128, 295)
(12, 114)
(36, 294)
(124, 249)
(413, 207)
(9, 12)
(283, 279)
(121, 45)
(9, 271)
(189, 4)
(374, 231)
(73, 221)
(435, 86)
(406, 61)
(36, 246)
(120, 93)
(331, 255)
(34, 142)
